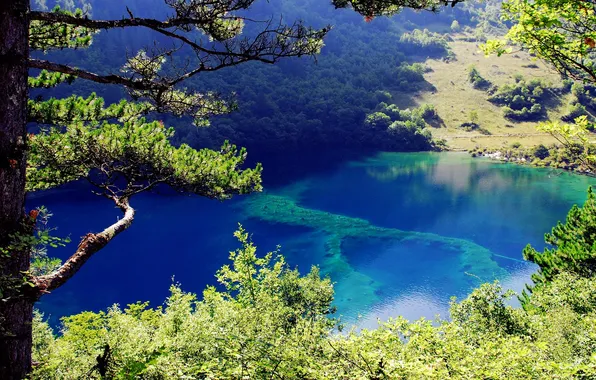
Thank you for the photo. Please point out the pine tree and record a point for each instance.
(573, 246)
(116, 148)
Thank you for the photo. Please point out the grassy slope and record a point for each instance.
(454, 98)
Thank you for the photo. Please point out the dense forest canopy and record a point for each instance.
(108, 81)
(298, 103)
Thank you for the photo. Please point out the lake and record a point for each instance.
(398, 233)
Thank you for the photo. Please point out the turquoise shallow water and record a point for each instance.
(398, 233)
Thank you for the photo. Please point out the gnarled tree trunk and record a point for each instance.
(15, 311)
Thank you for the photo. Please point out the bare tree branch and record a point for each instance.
(88, 246)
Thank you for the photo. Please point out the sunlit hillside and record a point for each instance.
(454, 97)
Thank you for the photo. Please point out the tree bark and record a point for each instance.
(90, 245)
(16, 311)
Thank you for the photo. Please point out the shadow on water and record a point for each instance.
(284, 168)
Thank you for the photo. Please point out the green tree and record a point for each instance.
(119, 148)
(455, 27)
(115, 148)
(573, 245)
(269, 322)
(377, 120)
(266, 322)
(559, 32)
(541, 152)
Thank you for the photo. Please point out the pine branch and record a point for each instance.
(53, 17)
(88, 246)
(83, 74)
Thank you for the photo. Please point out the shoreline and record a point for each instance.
(524, 159)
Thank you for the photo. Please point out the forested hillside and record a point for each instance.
(156, 95)
(301, 103)
(412, 59)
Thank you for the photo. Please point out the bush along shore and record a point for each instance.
(571, 158)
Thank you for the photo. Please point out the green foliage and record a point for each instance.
(75, 109)
(473, 125)
(574, 110)
(35, 237)
(474, 116)
(268, 321)
(428, 112)
(377, 120)
(407, 128)
(585, 95)
(48, 35)
(541, 152)
(410, 77)
(425, 42)
(477, 81)
(573, 245)
(581, 104)
(575, 140)
(38, 221)
(559, 32)
(140, 153)
(47, 79)
(521, 101)
(571, 157)
(41, 263)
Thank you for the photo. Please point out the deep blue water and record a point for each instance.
(399, 233)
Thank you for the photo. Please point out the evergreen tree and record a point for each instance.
(119, 149)
(573, 246)
(116, 148)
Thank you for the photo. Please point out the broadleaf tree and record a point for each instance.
(561, 32)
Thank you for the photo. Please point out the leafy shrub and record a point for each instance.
(377, 120)
(266, 318)
(574, 110)
(521, 101)
(424, 42)
(409, 77)
(470, 127)
(541, 152)
(566, 86)
(585, 94)
(477, 81)
(427, 112)
(268, 328)
(582, 104)
(407, 128)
